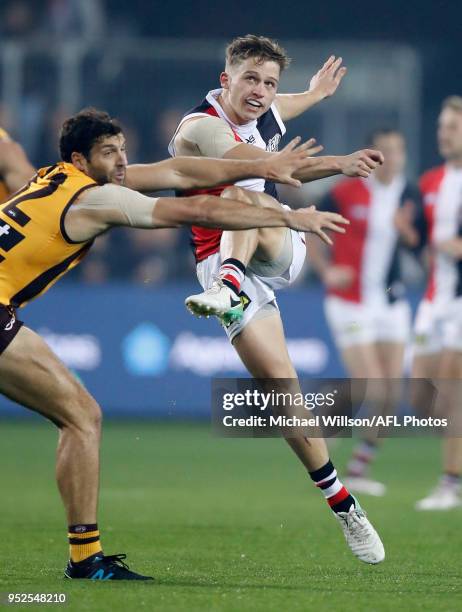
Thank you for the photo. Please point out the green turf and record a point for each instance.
(225, 525)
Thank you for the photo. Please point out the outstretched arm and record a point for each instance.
(184, 173)
(315, 221)
(15, 168)
(361, 163)
(323, 84)
(100, 208)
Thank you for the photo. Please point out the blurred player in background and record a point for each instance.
(15, 168)
(367, 314)
(239, 271)
(438, 325)
(45, 230)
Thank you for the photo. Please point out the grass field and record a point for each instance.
(225, 525)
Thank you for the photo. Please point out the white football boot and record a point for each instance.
(219, 300)
(357, 484)
(443, 497)
(360, 535)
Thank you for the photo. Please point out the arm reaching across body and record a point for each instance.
(211, 136)
(323, 84)
(361, 163)
(314, 221)
(100, 208)
(195, 173)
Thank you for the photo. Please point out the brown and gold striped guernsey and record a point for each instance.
(34, 248)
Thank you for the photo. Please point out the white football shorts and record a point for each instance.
(353, 323)
(438, 327)
(257, 291)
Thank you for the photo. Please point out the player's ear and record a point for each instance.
(79, 161)
(224, 80)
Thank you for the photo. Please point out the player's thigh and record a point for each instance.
(448, 385)
(425, 368)
(275, 243)
(393, 328)
(32, 375)
(362, 360)
(426, 365)
(262, 347)
(391, 356)
(450, 364)
(271, 243)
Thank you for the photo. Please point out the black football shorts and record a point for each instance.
(9, 326)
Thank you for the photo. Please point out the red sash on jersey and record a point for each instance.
(352, 199)
(206, 241)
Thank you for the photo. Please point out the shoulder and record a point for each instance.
(202, 122)
(196, 129)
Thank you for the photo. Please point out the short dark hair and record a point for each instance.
(261, 48)
(81, 131)
(381, 131)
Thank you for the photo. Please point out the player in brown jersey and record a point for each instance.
(46, 228)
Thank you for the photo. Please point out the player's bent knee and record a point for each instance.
(80, 411)
(237, 193)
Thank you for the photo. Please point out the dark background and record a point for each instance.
(139, 90)
(433, 27)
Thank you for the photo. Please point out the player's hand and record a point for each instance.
(338, 277)
(293, 157)
(404, 223)
(328, 78)
(451, 247)
(315, 222)
(361, 163)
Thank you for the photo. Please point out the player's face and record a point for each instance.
(450, 134)
(393, 148)
(108, 160)
(250, 88)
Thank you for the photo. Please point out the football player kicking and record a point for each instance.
(46, 228)
(239, 271)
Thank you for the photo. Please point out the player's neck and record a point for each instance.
(455, 163)
(384, 180)
(229, 111)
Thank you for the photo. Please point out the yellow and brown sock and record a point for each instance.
(83, 541)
